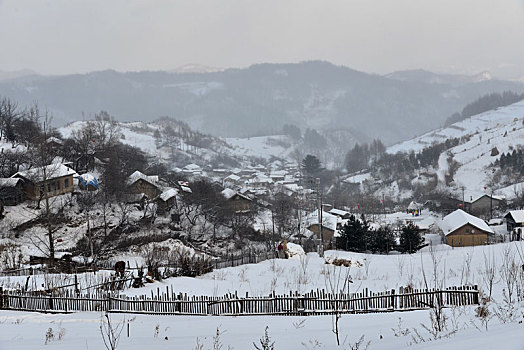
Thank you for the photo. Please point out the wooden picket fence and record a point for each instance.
(316, 302)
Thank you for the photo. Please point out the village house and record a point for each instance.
(260, 180)
(278, 175)
(139, 183)
(12, 191)
(47, 181)
(192, 170)
(340, 213)
(485, 203)
(232, 181)
(240, 203)
(54, 142)
(461, 229)
(167, 199)
(329, 225)
(514, 223)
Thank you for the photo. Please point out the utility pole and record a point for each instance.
(319, 204)
(463, 198)
(491, 205)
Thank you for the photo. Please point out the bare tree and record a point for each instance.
(154, 256)
(436, 282)
(42, 157)
(9, 114)
(110, 331)
(489, 272)
(337, 280)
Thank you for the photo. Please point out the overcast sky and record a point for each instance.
(380, 36)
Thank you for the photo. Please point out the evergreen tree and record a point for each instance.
(381, 240)
(311, 165)
(355, 236)
(410, 239)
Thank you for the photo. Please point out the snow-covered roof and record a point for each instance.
(137, 175)
(233, 177)
(168, 194)
(293, 187)
(278, 173)
(495, 197)
(338, 212)
(495, 221)
(9, 182)
(328, 220)
(414, 205)
(54, 139)
(192, 167)
(52, 171)
(228, 193)
(517, 215)
(186, 189)
(459, 218)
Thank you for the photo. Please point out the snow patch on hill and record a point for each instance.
(502, 129)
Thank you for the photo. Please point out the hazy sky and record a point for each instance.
(69, 36)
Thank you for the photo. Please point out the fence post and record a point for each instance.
(1, 298)
(393, 300)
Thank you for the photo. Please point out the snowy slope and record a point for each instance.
(141, 135)
(265, 147)
(502, 128)
(485, 125)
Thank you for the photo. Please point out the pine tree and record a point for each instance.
(355, 236)
(381, 240)
(410, 239)
(311, 165)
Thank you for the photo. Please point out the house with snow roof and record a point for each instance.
(192, 170)
(514, 222)
(12, 191)
(140, 183)
(486, 202)
(167, 199)
(232, 181)
(328, 223)
(47, 181)
(340, 213)
(240, 203)
(461, 229)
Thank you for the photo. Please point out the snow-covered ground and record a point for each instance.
(459, 266)
(23, 331)
(265, 147)
(502, 128)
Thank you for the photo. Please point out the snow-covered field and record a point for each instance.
(459, 266)
(27, 331)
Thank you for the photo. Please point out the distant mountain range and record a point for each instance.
(260, 99)
(424, 76)
(6, 75)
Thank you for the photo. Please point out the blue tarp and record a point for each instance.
(87, 182)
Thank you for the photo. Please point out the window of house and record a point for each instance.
(467, 230)
(48, 187)
(66, 183)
